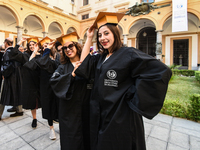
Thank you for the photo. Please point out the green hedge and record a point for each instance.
(197, 75)
(194, 110)
(176, 108)
(183, 72)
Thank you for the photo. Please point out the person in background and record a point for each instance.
(47, 66)
(128, 84)
(58, 47)
(2, 48)
(25, 49)
(30, 94)
(91, 50)
(73, 93)
(14, 109)
(21, 49)
(11, 88)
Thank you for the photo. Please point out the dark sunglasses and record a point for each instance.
(70, 46)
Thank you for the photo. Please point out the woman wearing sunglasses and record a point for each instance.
(73, 92)
(128, 84)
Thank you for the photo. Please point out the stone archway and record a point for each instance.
(71, 29)
(54, 30)
(33, 26)
(146, 41)
(8, 23)
(193, 24)
(135, 34)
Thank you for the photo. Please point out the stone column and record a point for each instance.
(19, 33)
(159, 45)
(45, 34)
(125, 39)
(80, 41)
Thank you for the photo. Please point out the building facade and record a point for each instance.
(52, 18)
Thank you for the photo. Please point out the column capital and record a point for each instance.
(19, 27)
(159, 30)
(44, 34)
(80, 41)
(125, 34)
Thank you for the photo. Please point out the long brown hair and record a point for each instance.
(28, 49)
(64, 59)
(117, 41)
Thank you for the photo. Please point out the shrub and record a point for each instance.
(176, 72)
(197, 75)
(183, 72)
(174, 108)
(174, 66)
(188, 72)
(172, 78)
(194, 109)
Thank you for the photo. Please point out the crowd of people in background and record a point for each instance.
(98, 97)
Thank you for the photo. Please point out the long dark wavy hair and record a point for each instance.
(64, 59)
(117, 41)
(28, 49)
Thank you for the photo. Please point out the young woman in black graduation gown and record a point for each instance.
(74, 93)
(128, 84)
(30, 82)
(47, 66)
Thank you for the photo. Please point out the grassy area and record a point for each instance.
(178, 100)
(180, 88)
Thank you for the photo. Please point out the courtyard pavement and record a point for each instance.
(162, 133)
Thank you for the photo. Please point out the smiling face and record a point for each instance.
(31, 46)
(70, 50)
(106, 37)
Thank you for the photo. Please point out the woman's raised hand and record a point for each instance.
(78, 63)
(90, 32)
(50, 45)
(21, 41)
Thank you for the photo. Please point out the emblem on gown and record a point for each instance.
(111, 74)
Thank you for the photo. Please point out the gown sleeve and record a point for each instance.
(57, 60)
(46, 63)
(16, 55)
(151, 77)
(43, 62)
(62, 84)
(88, 67)
(32, 63)
(7, 67)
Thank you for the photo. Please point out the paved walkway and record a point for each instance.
(162, 133)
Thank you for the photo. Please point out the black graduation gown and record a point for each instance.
(47, 67)
(12, 84)
(127, 86)
(1, 55)
(73, 108)
(30, 81)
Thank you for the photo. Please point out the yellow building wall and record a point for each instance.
(23, 8)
